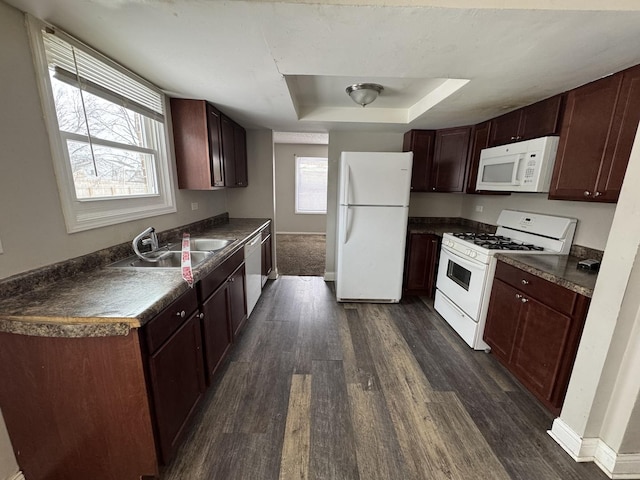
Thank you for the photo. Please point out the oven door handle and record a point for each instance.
(465, 261)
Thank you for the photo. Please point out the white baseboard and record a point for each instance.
(329, 276)
(614, 465)
(301, 233)
(580, 449)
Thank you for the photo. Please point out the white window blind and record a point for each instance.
(73, 65)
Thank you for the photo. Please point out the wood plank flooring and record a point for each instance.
(316, 390)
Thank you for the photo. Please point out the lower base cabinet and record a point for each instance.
(533, 327)
(421, 261)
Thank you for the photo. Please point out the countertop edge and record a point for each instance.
(561, 281)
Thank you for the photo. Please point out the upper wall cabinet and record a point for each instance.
(210, 147)
(439, 159)
(450, 159)
(420, 142)
(537, 120)
(598, 130)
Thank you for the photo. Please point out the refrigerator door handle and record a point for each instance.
(347, 185)
(345, 226)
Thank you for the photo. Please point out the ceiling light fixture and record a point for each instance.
(364, 93)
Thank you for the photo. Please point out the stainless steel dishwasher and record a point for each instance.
(253, 268)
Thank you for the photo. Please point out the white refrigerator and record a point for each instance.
(373, 207)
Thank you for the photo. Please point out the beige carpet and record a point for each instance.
(300, 254)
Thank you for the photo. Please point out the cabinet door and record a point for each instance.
(540, 347)
(228, 151)
(215, 147)
(586, 126)
(502, 319)
(504, 129)
(479, 141)
(240, 152)
(420, 142)
(618, 151)
(237, 300)
(420, 269)
(267, 263)
(450, 159)
(216, 329)
(176, 374)
(191, 137)
(540, 119)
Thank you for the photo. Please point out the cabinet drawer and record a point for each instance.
(266, 231)
(211, 282)
(158, 330)
(554, 296)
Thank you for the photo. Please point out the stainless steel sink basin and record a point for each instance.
(171, 260)
(209, 244)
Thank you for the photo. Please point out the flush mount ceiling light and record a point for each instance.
(364, 93)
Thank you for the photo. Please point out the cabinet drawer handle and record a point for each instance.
(518, 296)
(597, 194)
(587, 193)
(201, 316)
(181, 314)
(524, 300)
(525, 282)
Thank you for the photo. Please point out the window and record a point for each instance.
(311, 185)
(107, 134)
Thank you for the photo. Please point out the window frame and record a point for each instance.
(297, 210)
(86, 214)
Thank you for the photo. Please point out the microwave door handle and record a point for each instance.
(516, 166)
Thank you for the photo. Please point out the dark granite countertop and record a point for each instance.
(559, 269)
(110, 301)
(437, 228)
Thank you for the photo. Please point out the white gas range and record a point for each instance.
(467, 265)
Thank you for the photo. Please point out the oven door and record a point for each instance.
(462, 280)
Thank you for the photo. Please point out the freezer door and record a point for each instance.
(371, 243)
(375, 178)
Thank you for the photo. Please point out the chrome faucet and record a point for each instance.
(148, 237)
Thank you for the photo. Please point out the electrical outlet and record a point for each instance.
(479, 208)
(194, 205)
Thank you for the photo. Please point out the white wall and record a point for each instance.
(256, 200)
(32, 229)
(594, 219)
(287, 219)
(8, 464)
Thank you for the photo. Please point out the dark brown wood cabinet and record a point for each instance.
(598, 130)
(421, 261)
(479, 141)
(267, 258)
(421, 143)
(223, 307)
(176, 378)
(439, 159)
(536, 120)
(533, 327)
(450, 159)
(236, 288)
(234, 153)
(216, 330)
(210, 147)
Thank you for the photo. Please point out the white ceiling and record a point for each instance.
(285, 65)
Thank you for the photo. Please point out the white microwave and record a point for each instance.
(518, 167)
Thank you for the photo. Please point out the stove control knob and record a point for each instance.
(467, 252)
(473, 254)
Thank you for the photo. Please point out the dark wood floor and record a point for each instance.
(320, 390)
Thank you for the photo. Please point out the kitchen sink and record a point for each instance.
(209, 244)
(169, 260)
